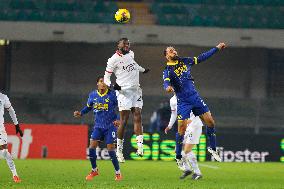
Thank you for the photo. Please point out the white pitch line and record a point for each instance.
(209, 166)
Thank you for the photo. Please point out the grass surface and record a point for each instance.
(141, 174)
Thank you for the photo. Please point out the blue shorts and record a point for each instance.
(102, 134)
(194, 104)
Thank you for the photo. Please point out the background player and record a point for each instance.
(177, 77)
(129, 94)
(191, 138)
(103, 102)
(5, 104)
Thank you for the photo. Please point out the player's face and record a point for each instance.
(171, 53)
(124, 46)
(101, 85)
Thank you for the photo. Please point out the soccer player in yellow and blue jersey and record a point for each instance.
(177, 78)
(103, 102)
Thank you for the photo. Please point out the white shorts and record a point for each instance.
(3, 138)
(129, 98)
(193, 132)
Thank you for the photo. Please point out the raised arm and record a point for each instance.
(204, 56)
(86, 109)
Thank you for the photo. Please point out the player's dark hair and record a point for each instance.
(165, 52)
(98, 78)
(122, 39)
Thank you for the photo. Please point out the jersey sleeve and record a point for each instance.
(173, 104)
(166, 78)
(109, 70)
(90, 101)
(7, 103)
(202, 57)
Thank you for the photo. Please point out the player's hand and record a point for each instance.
(19, 130)
(77, 114)
(116, 123)
(146, 70)
(170, 89)
(116, 87)
(221, 46)
(167, 130)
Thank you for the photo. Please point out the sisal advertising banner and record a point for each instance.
(53, 141)
(233, 147)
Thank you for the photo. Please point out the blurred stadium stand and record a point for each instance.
(50, 80)
(210, 13)
(47, 81)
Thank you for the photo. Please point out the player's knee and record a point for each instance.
(137, 131)
(110, 147)
(137, 117)
(210, 123)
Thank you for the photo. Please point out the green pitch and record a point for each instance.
(141, 174)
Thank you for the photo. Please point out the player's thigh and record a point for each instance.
(199, 107)
(124, 99)
(137, 100)
(110, 135)
(97, 134)
(192, 134)
(3, 140)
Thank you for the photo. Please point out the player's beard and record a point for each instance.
(176, 57)
(123, 51)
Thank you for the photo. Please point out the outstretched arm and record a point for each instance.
(86, 109)
(204, 56)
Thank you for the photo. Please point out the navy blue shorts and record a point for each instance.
(101, 134)
(195, 104)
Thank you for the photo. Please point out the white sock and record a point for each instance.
(117, 172)
(10, 162)
(120, 144)
(186, 160)
(193, 162)
(139, 140)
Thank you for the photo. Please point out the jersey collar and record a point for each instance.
(118, 53)
(172, 63)
(101, 95)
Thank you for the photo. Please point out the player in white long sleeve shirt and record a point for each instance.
(5, 104)
(129, 93)
(191, 137)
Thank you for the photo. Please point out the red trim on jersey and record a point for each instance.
(119, 54)
(173, 110)
(108, 71)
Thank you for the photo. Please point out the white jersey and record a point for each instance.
(125, 69)
(4, 103)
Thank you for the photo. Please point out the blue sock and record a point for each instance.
(93, 157)
(211, 137)
(114, 160)
(179, 139)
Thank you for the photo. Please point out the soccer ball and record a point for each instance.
(122, 16)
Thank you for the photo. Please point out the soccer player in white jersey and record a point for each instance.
(5, 104)
(191, 138)
(129, 93)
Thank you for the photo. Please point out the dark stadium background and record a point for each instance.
(52, 52)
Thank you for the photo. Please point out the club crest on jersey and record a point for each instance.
(180, 69)
(129, 67)
(107, 100)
